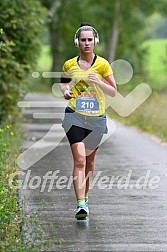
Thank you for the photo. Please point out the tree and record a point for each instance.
(114, 31)
(21, 24)
(63, 17)
(124, 27)
(120, 25)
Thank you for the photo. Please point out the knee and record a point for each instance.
(79, 163)
(90, 162)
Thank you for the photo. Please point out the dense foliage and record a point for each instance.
(20, 27)
(121, 26)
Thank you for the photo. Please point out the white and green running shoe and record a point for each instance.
(82, 212)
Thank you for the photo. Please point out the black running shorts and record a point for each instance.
(78, 134)
(86, 129)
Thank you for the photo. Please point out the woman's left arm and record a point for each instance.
(108, 85)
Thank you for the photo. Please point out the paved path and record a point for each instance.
(123, 215)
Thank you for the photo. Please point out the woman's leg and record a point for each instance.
(90, 166)
(79, 156)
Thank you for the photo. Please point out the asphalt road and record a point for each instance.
(127, 201)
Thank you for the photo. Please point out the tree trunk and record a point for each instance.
(54, 42)
(115, 31)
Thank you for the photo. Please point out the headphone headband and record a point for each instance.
(85, 28)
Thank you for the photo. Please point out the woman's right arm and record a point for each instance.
(64, 87)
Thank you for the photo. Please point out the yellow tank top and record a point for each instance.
(88, 99)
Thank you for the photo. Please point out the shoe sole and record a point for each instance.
(81, 215)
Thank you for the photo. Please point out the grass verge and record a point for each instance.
(156, 62)
(150, 116)
(14, 223)
(10, 142)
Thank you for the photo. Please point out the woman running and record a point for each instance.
(85, 81)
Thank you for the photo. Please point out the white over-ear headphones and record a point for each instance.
(86, 28)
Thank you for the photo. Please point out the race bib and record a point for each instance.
(87, 104)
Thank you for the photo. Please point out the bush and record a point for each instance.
(20, 27)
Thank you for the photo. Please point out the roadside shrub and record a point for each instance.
(20, 27)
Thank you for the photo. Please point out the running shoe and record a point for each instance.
(82, 212)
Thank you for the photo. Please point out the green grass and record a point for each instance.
(10, 141)
(156, 62)
(44, 62)
(157, 49)
(149, 117)
(12, 215)
(41, 84)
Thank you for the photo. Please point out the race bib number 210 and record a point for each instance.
(87, 104)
